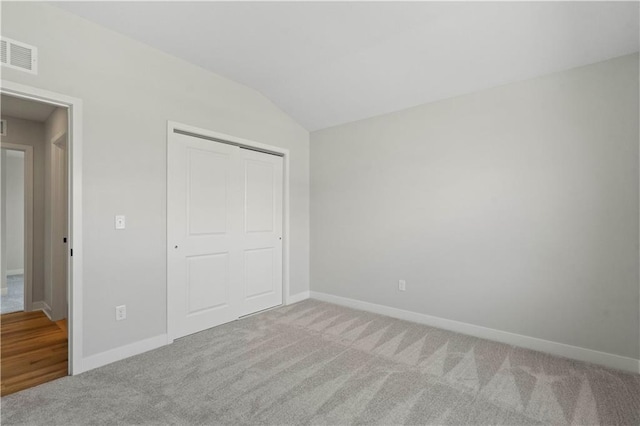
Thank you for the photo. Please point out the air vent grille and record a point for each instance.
(3, 54)
(18, 55)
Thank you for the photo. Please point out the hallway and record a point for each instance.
(13, 301)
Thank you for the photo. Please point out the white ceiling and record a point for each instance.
(335, 62)
(25, 109)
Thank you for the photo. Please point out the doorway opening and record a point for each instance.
(13, 229)
(36, 218)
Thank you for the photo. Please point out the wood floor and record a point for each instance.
(34, 350)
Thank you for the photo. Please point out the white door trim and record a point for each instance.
(28, 220)
(74, 164)
(222, 137)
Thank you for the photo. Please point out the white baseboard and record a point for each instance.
(533, 343)
(298, 297)
(122, 352)
(117, 354)
(42, 306)
(15, 271)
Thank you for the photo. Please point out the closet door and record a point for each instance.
(261, 238)
(204, 220)
(224, 214)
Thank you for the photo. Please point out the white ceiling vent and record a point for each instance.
(19, 56)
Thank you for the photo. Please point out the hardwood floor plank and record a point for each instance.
(63, 326)
(29, 333)
(26, 325)
(22, 345)
(19, 316)
(34, 350)
(20, 364)
(34, 378)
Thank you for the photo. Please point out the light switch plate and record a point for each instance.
(120, 223)
(121, 312)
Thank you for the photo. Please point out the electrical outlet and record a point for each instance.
(120, 222)
(402, 285)
(121, 312)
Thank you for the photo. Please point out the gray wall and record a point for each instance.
(514, 208)
(129, 91)
(54, 126)
(31, 133)
(14, 199)
(3, 223)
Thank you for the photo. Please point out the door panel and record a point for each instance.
(204, 190)
(262, 233)
(259, 197)
(208, 285)
(259, 274)
(208, 184)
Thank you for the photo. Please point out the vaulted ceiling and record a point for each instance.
(328, 63)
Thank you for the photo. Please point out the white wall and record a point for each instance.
(31, 133)
(14, 199)
(514, 208)
(129, 91)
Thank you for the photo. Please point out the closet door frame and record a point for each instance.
(174, 128)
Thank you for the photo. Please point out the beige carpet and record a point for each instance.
(317, 363)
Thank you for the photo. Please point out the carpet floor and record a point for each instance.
(13, 301)
(317, 363)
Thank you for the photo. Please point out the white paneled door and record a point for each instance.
(261, 239)
(224, 233)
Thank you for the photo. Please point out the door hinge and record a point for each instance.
(71, 252)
